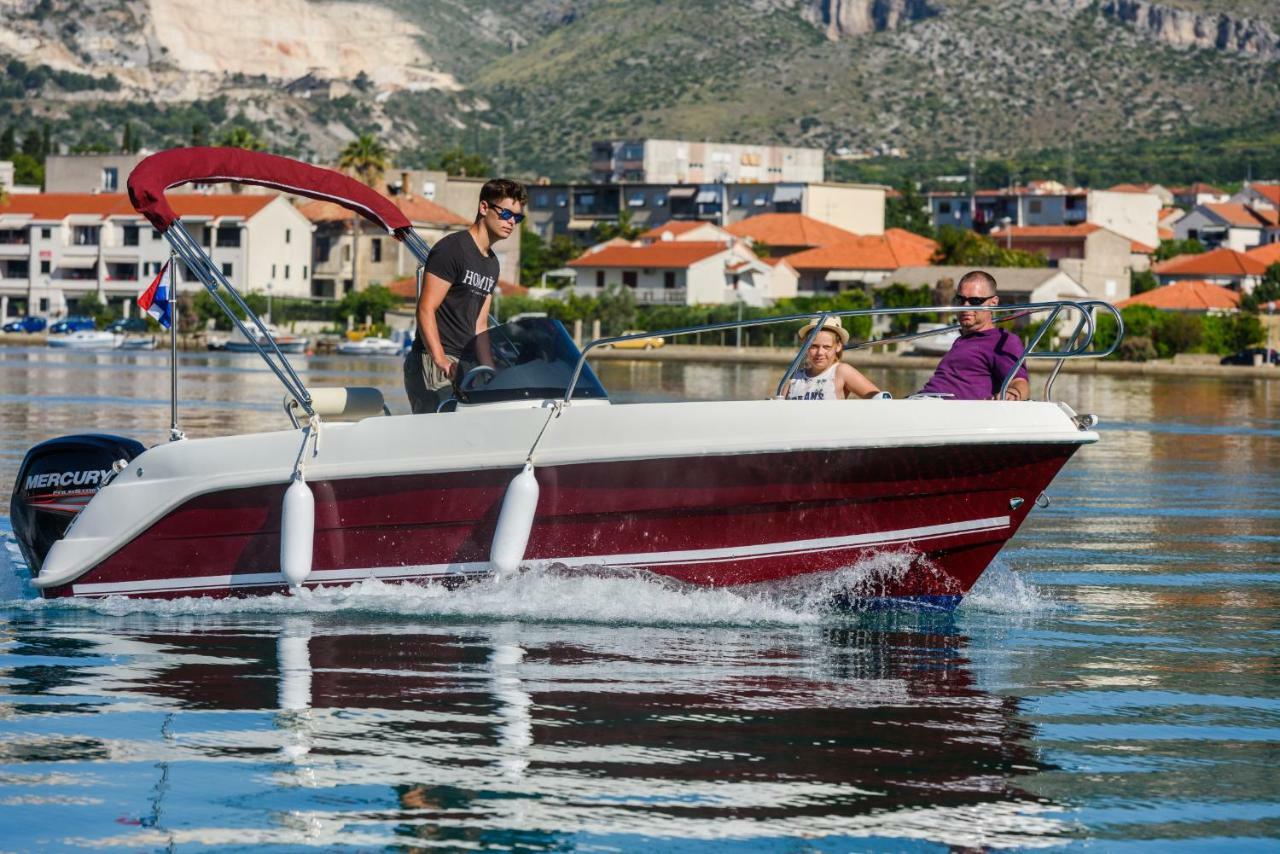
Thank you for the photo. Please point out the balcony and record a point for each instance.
(14, 250)
(644, 296)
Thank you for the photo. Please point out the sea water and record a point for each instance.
(1109, 684)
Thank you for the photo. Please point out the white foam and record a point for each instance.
(1002, 590)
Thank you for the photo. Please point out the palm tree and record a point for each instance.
(241, 137)
(366, 159)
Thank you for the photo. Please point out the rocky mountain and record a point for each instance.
(533, 83)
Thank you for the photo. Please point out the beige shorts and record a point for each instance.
(425, 384)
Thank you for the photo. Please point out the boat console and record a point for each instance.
(530, 358)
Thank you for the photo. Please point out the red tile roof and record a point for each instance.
(57, 206)
(666, 254)
(886, 252)
(788, 229)
(1270, 192)
(1266, 255)
(1243, 216)
(1166, 213)
(1165, 233)
(419, 211)
(1131, 188)
(1219, 262)
(1187, 295)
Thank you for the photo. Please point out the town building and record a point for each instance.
(577, 209)
(676, 161)
(1188, 295)
(1162, 193)
(1221, 266)
(1098, 258)
(682, 272)
(1048, 203)
(1198, 194)
(1015, 285)
(859, 261)
(1231, 225)
(89, 173)
(56, 248)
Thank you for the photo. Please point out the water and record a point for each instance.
(1111, 684)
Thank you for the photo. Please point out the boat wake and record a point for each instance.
(561, 594)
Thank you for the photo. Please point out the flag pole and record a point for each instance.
(174, 433)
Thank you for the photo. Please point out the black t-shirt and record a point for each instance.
(472, 277)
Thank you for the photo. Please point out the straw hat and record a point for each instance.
(831, 323)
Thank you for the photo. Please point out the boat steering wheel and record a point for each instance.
(471, 380)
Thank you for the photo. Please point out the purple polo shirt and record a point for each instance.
(976, 365)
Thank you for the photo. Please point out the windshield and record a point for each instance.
(526, 358)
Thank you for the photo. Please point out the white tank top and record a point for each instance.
(821, 387)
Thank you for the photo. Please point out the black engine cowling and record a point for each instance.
(56, 480)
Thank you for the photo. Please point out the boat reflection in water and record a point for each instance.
(524, 735)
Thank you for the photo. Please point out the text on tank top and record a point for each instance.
(821, 387)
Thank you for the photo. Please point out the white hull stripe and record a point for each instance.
(198, 584)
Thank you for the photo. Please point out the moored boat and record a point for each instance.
(370, 345)
(533, 464)
(85, 339)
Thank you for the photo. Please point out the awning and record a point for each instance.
(112, 258)
(77, 262)
(845, 276)
(15, 220)
(581, 224)
(708, 197)
(788, 194)
(682, 192)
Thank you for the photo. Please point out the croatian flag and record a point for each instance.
(154, 298)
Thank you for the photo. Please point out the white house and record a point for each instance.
(1235, 226)
(683, 272)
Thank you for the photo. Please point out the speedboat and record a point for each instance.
(253, 340)
(85, 339)
(531, 463)
(370, 345)
(136, 342)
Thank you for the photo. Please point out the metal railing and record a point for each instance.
(1078, 342)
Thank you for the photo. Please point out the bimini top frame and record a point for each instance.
(163, 171)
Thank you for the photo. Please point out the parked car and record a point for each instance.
(126, 325)
(653, 341)
(74, 323)
(1246, 357)
(26, 324)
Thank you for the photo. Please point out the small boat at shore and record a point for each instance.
(85, 339)
(286, 342)
(370, 345)
(532, 463)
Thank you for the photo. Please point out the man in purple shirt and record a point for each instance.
(976, 365)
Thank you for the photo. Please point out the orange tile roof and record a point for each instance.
(1165, 233)
(1219, 262)
(788, 229)
(1165, 213)
(1130, 188)
(1269, 191)
(57, 206)
(911, 250)
(669, 254)
(1266, 255)
(1187, 295)
(886, 252)
(677, 227)
(1242, 215)
(416, 208)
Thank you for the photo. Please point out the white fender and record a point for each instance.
(297, 532)
(515, 521)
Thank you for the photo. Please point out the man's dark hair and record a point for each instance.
(977, 276)
(497, 189)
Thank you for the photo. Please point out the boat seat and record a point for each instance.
(339, 403)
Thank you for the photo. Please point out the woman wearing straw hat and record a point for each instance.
(823, 376)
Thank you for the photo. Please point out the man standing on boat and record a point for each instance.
(976, 365)
(462, 271)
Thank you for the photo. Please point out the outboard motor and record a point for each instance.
(56, 480)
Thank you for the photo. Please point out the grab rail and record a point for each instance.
(1076, 349)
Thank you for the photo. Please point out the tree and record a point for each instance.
(538, 257)
(908, 209)
(199, 134)
(963, 248)
(457, 161)
(8, 143)
(623, 228)
(1143, 281)
(27, 169)
(1169, 248)
(366, 158)
(373, 302)
(128, 144)
(241, 137)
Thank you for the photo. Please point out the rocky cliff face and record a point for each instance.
(845, 18)
(1184, 28)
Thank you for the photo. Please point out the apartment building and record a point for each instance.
(56, 248)
(576, 209)
(1098, 258)
(678, 161)
(1048, 203)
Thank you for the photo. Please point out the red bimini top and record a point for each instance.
(167, 169)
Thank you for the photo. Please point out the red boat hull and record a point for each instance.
(708, 521)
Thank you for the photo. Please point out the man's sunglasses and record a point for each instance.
(963, 300)
(504, 214)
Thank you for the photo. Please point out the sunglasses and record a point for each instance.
(963, 300)
(504, 214)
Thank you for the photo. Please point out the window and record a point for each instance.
(635, 200)
(130, 237)
(45, 266)
(375, 250)
(273, 271)
(660, 200)
(206, 237)
(286, 271)
(45, 234)
(288, 235)
(540, 200)
(629, 278)
(562, 199)
(228, 236)
(110, 179)
(155, 235)
(1035, 206)
(304, 272)
(669, 279)
(944, 207)
(84, 235)
(599, 278)
(226, 269)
